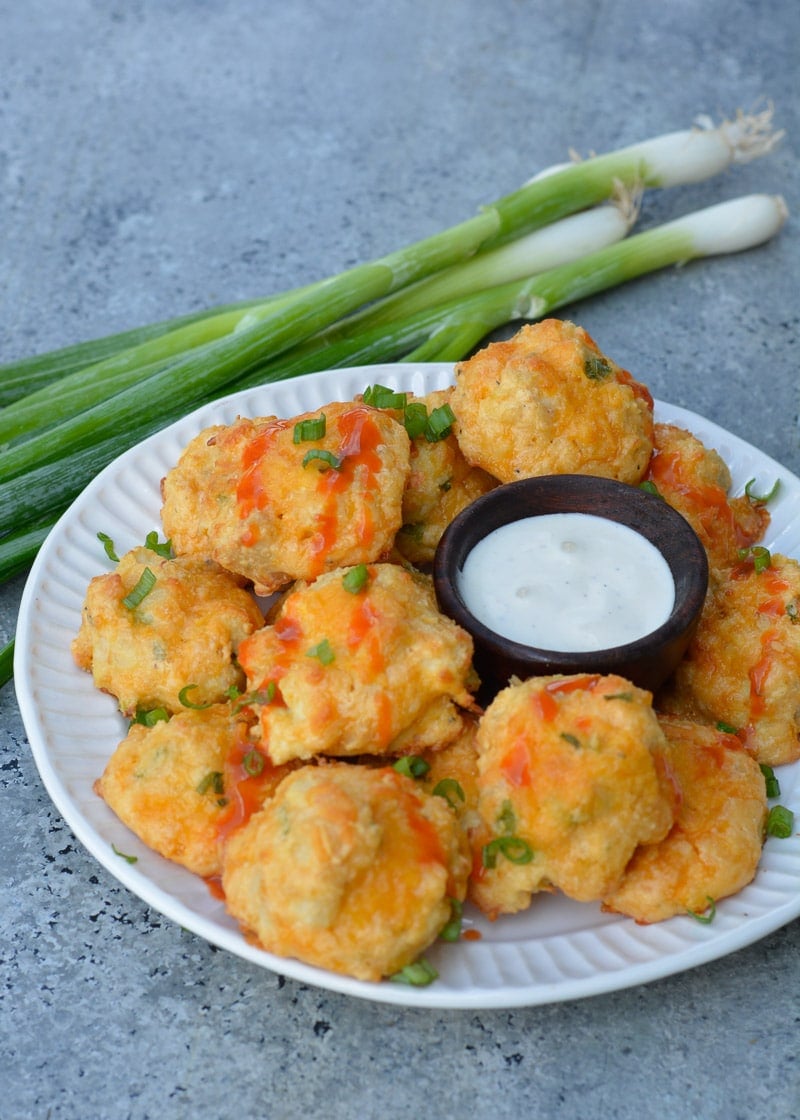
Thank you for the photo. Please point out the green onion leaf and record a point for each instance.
(761, 499)
(122, 855)
(326, 458)
(450, 790)
(596, 368)
(355, 579)
(726, 728)
(650, 488)
(419, 974)
(506, 819)
(161, 548)
(415, 419)
(149, 717)
(212, 781)
(758, 554)
(619, 696)
(514, 848)
(183, 696)
(253, 762)
(451, 931)
(706, 918)
(144, 586)
(415, 530)
(108, 545)
(257, 696)
(439, 424)
(573, 740)
(322, 651)
(379, 396)
(412, 766)
(770, 781)
(305, 430)
(780, 822)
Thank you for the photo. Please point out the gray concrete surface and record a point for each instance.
(157, 157)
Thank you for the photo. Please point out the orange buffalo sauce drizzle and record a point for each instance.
(245, 791)
(668, 471)
(361, 631)
(250, 492)
(759, 673)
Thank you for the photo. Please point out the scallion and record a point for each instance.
(326, 458)
(183, 697)
(412, 766)
(780, 822)
(323, 651)
(306, 430)
(773, 786)
(355, 579)
(144, 585)
(419, 974)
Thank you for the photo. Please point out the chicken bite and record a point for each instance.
(359, 662)
(280, 500)
(547, 401)
(742, 667)
(696, 482)
(713, 848)
(168, 637)
(347, 868)
(571, 781)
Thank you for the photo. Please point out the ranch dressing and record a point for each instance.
(571, 582)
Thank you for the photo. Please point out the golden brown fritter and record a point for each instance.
(713, 848)
(440, 484)
(695, 481)
(742, 667)
(185, 631)
(348, 868)
(547, 401)
(373, 670)
(270, 503)
(572, 780)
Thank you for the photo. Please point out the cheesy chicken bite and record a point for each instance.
(158, 629)
(281, 500)
(359, 662)
(547, 401)
(348, 868)
(742, 668)
(713, 848)
(696, 482)
(571, 781)
(440, 484)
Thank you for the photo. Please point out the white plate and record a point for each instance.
(558, 949)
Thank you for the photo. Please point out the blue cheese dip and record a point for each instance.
(568, 582)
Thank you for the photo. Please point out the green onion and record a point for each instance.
(419, 974)
(439, 424)
(761, 499)
(506, 818)
(149, 717)
(108, 545)
(123, 855)
(451, 931)
(758, 554)
(514, 848)
(596, 368)
(726, 728)
(450, 790)
(415, 419)
(323, 652)
(650, 488)
(380, 396)
(412, 766)
(258, 696)
(213, 781)
(780, 822)
(144, 585)
(6, 663)
(325, 457)
(161, 548)
(355, 578)
(791, 610)
(627, 696)
(253, 762)
(770, 781)
(706, 918)
(183, 697)
(573, 740)
(306, 430)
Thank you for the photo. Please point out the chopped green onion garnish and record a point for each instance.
(596, 368)
(706, 918)
(758, 554)
(144, 586)
(419, 974)
(573, 740)
(447, 787)
(446, 485)
(415, 530)
(108, 545)
(122, 855)
(322, 651)
(780, 822)
(791, 610)
(761, 499)
(379, 396)
(253, 763)
(183, 696)
(440, 422)
(212, 781)
(327, 458)
(770, 781)
(415, 419)
(305, 430)
(412, 766)
(506, 820)
(514, 848)
(452, 930)
(355, 579)
(149, 717)
(161, 548)
(726, 728)
(619, 696)
(258, 696)
(650, 488)
(234, 692)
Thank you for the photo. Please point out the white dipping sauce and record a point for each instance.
(571, 582)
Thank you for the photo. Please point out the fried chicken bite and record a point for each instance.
(359, 662)
(547, 401)
(713, 848)
(572, 780)
(696, 482)
(440, 484)
(742, 667)
(348, 868)
(280, 500)
(146, 638)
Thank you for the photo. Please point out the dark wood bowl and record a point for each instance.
(646, 662)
